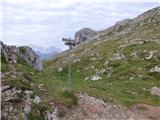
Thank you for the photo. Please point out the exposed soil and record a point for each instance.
(150, 112)
(91, 108)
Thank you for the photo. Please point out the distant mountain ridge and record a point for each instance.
(46, 53)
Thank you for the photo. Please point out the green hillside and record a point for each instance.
(127, 79)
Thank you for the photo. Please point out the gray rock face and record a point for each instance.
(27, 54)
(11, 53)
(83, 34)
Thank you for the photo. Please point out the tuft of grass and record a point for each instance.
(71, 97)
(38, 111)
(18, 83)
(22, 49)
(3, 64)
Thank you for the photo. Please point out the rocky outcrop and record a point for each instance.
(27, 54)
(9, 53)
(155, 91)
(12, 53)
(17, 103)
(83, 34)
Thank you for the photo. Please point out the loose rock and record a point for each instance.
(155, 91)
(95, 77)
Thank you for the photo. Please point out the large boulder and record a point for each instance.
(83, 34)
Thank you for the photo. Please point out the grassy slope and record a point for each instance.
(118, 86)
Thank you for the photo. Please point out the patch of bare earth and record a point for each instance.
(92, 108)
(151, 112)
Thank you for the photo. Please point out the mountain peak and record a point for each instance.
(83, 34)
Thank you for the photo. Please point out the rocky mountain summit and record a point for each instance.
(83, 34)
(12, 54)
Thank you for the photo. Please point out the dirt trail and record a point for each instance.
(91, 108)
(151, 112)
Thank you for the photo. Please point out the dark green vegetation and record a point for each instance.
(22, 49)
(3, 64)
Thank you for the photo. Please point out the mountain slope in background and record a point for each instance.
(45, 53)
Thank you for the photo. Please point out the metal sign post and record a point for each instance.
(70, 43)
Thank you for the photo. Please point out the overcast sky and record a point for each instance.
(43, 23)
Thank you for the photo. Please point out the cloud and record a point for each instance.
(45, 22)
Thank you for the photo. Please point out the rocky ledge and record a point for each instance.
(12, 54)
